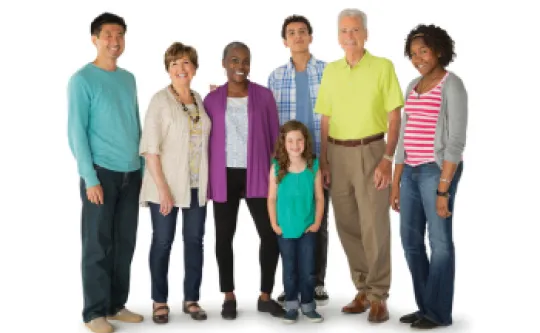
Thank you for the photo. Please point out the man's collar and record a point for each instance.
(364, 60)
(311, 62)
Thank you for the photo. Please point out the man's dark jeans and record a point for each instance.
(109, 233)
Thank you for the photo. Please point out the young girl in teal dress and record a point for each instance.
(295, 206)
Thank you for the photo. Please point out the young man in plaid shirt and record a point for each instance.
(295, 86)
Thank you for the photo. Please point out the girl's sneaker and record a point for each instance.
(291, 316)
(313, 316)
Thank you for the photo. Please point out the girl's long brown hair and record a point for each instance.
(281, 154)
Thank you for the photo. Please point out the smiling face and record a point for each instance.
(423, 57)
(297, 37)
(182, 70)
(110, 42)
(295, 143)
(237, 64)
(352, 34)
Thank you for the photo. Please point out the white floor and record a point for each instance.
(53, 288)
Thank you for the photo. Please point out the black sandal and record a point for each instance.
(198, 314)
(161, 318)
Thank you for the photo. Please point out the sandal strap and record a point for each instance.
(196, 305)
(161, 307)
(190, 304)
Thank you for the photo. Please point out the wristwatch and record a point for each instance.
(443, 194)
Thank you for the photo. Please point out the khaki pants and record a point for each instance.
(362, 215)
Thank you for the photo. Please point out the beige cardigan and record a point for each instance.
(166, 133)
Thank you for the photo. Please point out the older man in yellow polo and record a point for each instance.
(360, 100)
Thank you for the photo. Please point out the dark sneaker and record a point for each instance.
(313, 316)
(271, 307)
(321, 297)
(291, 316)
(409, 318)
(424, 323)
(281, 298)
(229, 309)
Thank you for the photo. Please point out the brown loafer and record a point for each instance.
(358, 305)
(378, 312)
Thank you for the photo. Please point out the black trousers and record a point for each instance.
(321, 249)
(109, 233)
(225, 217)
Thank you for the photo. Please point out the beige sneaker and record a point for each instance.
(99, 325)
(127, 316)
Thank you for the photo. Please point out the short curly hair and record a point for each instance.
(436, 38)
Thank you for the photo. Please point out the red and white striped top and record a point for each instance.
(423, 112)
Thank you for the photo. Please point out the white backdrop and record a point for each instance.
(495, 226)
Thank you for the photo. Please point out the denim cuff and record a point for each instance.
(292, 305)
(308, 307)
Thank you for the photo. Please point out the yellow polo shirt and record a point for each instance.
(358, 99)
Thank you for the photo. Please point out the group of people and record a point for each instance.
(317, 131)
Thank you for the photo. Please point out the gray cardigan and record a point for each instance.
(450, 133)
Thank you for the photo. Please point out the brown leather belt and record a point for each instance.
(359, 142)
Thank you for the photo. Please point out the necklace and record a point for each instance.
(422, 83)
(197, 117)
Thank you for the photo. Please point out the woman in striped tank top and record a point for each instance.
(428, 168)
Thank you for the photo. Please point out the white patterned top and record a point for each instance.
(195, 147)
(236, 132)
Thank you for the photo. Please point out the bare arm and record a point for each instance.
(394, 195)
(447, 173)
(271, 201)
(383, 173)
(319, 199)
(324, 140)
(323, 159)
(394, 124)
(398, 171)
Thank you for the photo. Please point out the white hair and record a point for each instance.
(353, 12)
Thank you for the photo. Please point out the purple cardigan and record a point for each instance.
(263, 131)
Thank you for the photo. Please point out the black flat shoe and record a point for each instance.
(271, 307)
(229, 309)
(424, 324)
(409, 318)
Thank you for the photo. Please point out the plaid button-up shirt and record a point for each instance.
(283, 85)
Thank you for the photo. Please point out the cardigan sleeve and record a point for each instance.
(152, 134)
(273, 119)
(457, 114)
